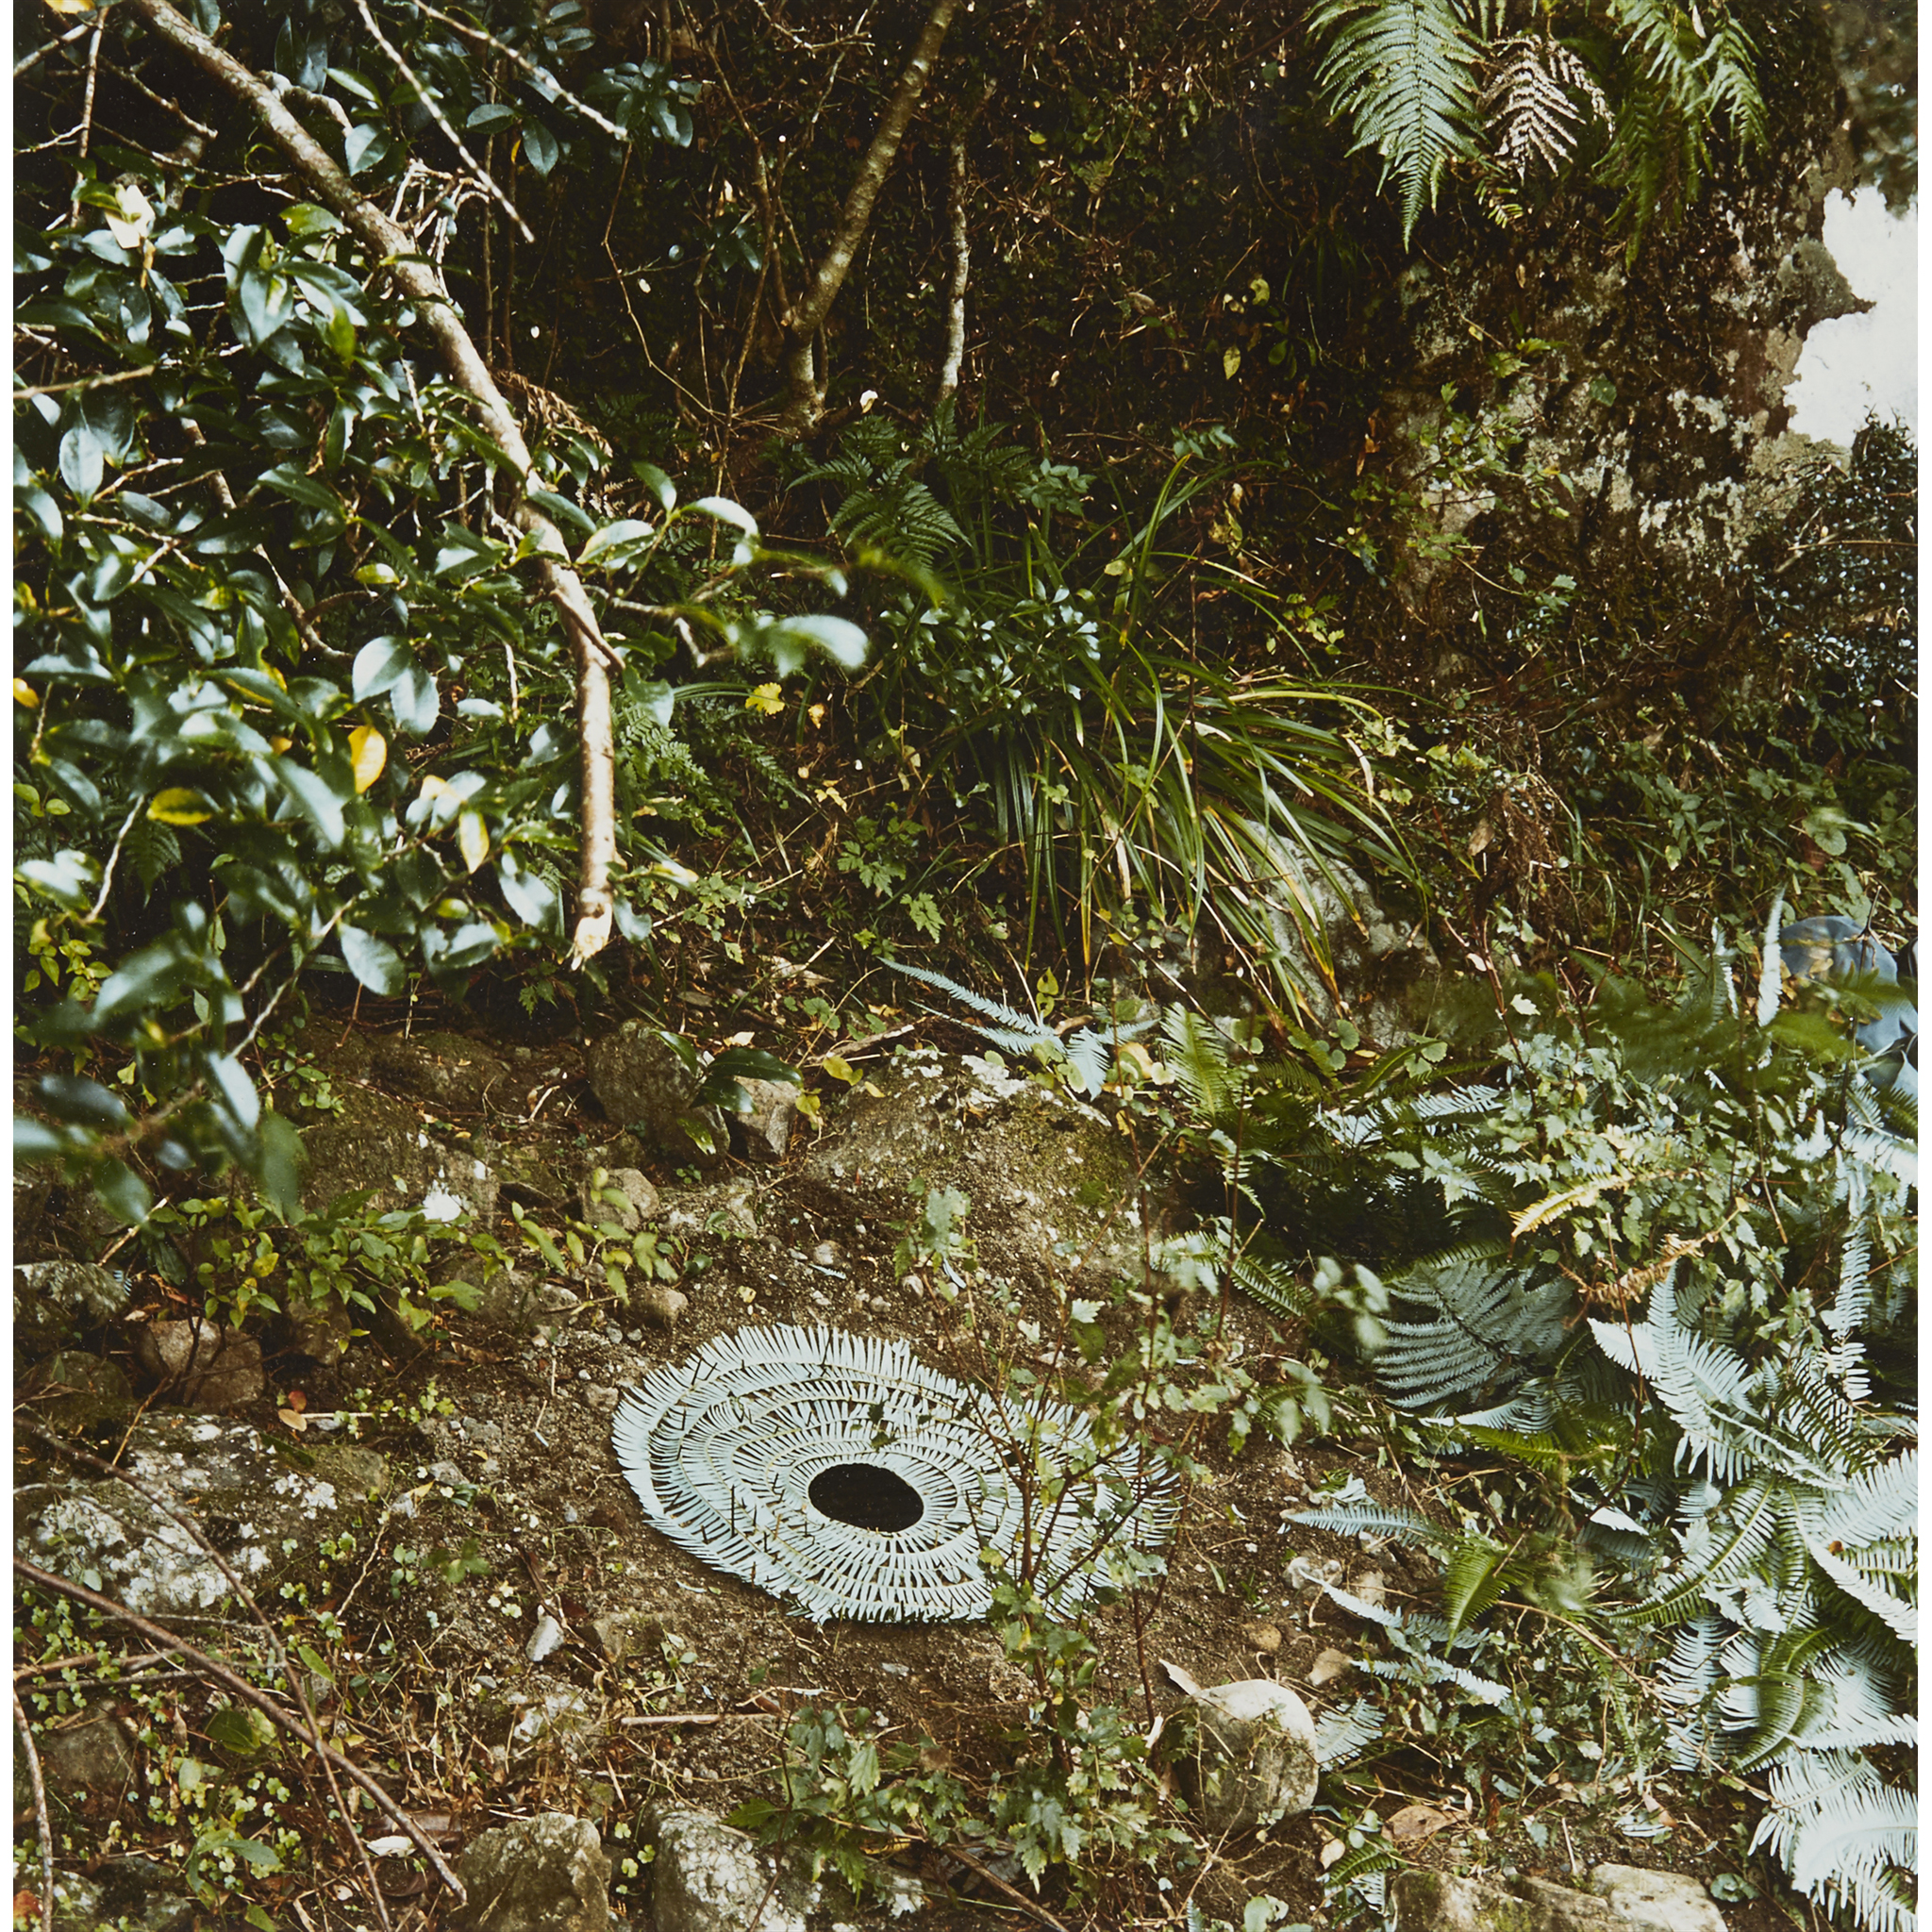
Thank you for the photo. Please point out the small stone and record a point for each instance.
(54, 1300)
(201, 1365)
(1309, 1574)
(1328, 1666)
(602, 1400)
(828, 1254)
(662, 1308)
(624, 1196)
(548, 1636)
(765, 1127)
(538, 1874)
(94, 1755)
(322, 1331)
(553, 1298)
(1254, 1760)
(642, 1082)
(1370, 1586)
(506, 1300)
(622, 1634)
(1265, 1638)
(71, 1390)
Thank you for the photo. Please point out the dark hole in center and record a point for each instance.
(865, 1497)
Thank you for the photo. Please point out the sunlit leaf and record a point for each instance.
(178, 806)
(368, 755)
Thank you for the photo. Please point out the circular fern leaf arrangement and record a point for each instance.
(840, 1473)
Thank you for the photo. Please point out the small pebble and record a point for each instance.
(546, 1636)
(1328, 1666)
(662, 1307)
(1370, 1586)
(1265, 1638)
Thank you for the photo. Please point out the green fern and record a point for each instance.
(1404, 72)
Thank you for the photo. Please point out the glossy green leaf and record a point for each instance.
(373, 960)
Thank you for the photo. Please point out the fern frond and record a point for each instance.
(1492, 1322)
(1843, 1835)
(1402, 71)
(1876, 1504)
(1198, 1053)
(1342, 1736)
(1474, 1575)
(1729, 1555)
(1533, 114)
(1374, 1519)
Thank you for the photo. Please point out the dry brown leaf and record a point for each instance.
(1414, 1823)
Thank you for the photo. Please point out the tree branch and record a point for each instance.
(805, 401)
(396, 250)
(219, 1672)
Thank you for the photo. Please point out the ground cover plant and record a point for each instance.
(1236, 572)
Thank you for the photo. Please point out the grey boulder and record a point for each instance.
(536, 1875)
(710, 1878)
(644, 1083)
(1254, 1759)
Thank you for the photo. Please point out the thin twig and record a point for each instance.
(286, 1720)
(87, 110)
(174, 108)
(114, 858)
(434, 108)
(73, 33)
(534, 68)
(59, 389)
(43, 1823)
(1019, 1898)
(247, 1597)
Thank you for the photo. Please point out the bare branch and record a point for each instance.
(396, 250)
(43, 1823)
(962, 261)
(239, 1686)
(39, 54)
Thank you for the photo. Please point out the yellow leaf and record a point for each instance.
(179, 806)
(368, 754)
(433, 786)
(24, 693)
(278, 745)
(472, 837)
(1230, 362)
(71, 6)
(766, 698)
(839, 1069)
